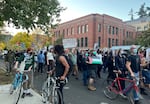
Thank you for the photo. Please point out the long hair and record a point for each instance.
(59, 49)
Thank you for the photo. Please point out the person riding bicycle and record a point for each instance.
(29, 61)
(133, 66)
(62, 67)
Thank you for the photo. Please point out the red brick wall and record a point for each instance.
(92, 21)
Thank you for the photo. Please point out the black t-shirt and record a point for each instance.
(135, 62)
(60, 68)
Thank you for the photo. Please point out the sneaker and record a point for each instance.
(29, 94)
(92, 88)
(23, 95)
(137, 102)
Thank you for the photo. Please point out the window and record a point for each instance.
(123, 42)
(138, 28)
(72, 30)
(99, 41)
(145, 27)
(63, 32)
(67, 32)
(99, 27)
(113, 42)
(79, 29)
(116, 30)
(78, 42)
(116, 42)
(86, 42)
(127, 33)
(83, 29)
(82, 42)
(109, 42)
(109, 29)
(113, 30)
(86, 28)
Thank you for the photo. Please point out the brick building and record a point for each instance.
(104, 30)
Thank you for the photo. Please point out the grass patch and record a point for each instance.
(5, 79)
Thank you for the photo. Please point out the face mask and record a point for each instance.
(134, 51)
(86, 54)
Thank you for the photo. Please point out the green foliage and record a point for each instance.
(143, 11)
(20, 38)
(58, 41)
(28, 14)
(144, 38)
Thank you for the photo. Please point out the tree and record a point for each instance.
(28, 14)
(2, 45)
(142, 11)
(58, 41)
(21, 40)
(144, 38)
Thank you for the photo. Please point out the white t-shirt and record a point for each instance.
(50, 56)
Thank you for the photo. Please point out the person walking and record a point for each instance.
(133, 66)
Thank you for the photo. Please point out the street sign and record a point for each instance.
(70, 43)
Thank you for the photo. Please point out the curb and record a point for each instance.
(4, 88)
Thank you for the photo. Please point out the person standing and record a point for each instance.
(62, 67)
(29, 62)
(74, 60)
(10, 57)
(120, 65)
(99, 55)
(41, 61)
(133, 66)
(50, 60)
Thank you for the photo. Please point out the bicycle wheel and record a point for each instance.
(108, 90)
(56, 97)
(17, 93)
(130, 97)
(45, 92)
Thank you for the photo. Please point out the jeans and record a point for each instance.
(85, 77)
(135, 94)
(146, 74)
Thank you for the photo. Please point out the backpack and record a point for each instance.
(70, 64)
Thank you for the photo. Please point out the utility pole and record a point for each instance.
(131, 14)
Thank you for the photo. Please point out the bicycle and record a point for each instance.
(50, 90)
(113, 88)
(16, 88)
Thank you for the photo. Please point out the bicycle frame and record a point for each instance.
(51, 87)
(131, 85)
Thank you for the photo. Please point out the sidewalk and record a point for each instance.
(6, 98)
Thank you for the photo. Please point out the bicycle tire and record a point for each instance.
(56, 98)
(44, 93)
(107, 89)
(17, 93)
(130, 97)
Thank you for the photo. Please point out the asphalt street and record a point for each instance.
(76, 93)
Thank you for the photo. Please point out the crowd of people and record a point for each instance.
(91, 63)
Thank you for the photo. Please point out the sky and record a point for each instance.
(78, 8)
(115, 8)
